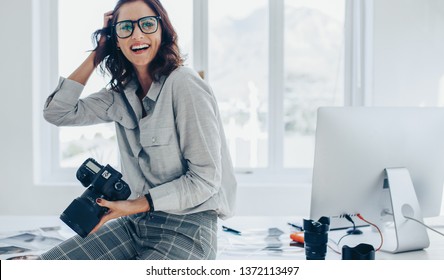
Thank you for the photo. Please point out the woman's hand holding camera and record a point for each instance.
(121, 208)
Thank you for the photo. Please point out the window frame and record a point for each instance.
(358, 86)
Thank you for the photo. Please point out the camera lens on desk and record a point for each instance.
(316, 238)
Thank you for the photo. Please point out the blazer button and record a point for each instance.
(153, 139)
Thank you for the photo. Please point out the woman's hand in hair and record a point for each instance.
(107, 19)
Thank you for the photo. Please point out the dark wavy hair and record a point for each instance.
(112, 60)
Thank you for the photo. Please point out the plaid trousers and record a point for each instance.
(156, 236)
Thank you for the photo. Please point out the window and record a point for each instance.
(238, 73)
(98, 141)
(313, 72)
(271, 63)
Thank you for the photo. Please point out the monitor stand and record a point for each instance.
(405, 234)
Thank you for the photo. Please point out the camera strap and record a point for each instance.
(128, 106)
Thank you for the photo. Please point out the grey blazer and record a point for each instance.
(177, 152)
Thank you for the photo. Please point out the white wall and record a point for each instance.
(18, 194)
(409, 52)
(408, 67)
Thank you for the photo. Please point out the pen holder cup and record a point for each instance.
(316, 238)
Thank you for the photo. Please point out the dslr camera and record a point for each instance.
(83, 214)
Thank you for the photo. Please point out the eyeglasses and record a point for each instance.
(147, 25)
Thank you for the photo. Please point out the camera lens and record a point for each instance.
(316, 238)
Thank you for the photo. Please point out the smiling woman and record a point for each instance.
(127, 45)
(72, 145)
(171, 140)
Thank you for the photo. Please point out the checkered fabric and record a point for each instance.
(156, 236)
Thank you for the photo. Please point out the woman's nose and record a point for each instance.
(137, 33)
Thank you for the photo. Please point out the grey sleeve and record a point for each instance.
(64, 108)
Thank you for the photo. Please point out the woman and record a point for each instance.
(170, 136)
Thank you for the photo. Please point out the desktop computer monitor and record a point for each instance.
(386, 163)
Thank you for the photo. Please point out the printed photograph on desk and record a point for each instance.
(20, 244)
(10, 250)
(256, 243)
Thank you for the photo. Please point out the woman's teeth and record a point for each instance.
(139, 47)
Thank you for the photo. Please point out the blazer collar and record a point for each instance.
(155, 89)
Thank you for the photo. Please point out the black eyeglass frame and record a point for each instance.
(158, 18)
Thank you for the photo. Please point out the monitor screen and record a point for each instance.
(355, 145)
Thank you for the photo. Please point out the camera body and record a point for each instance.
(83, 214)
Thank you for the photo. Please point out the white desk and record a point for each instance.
(227, 251)
(252, 243)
